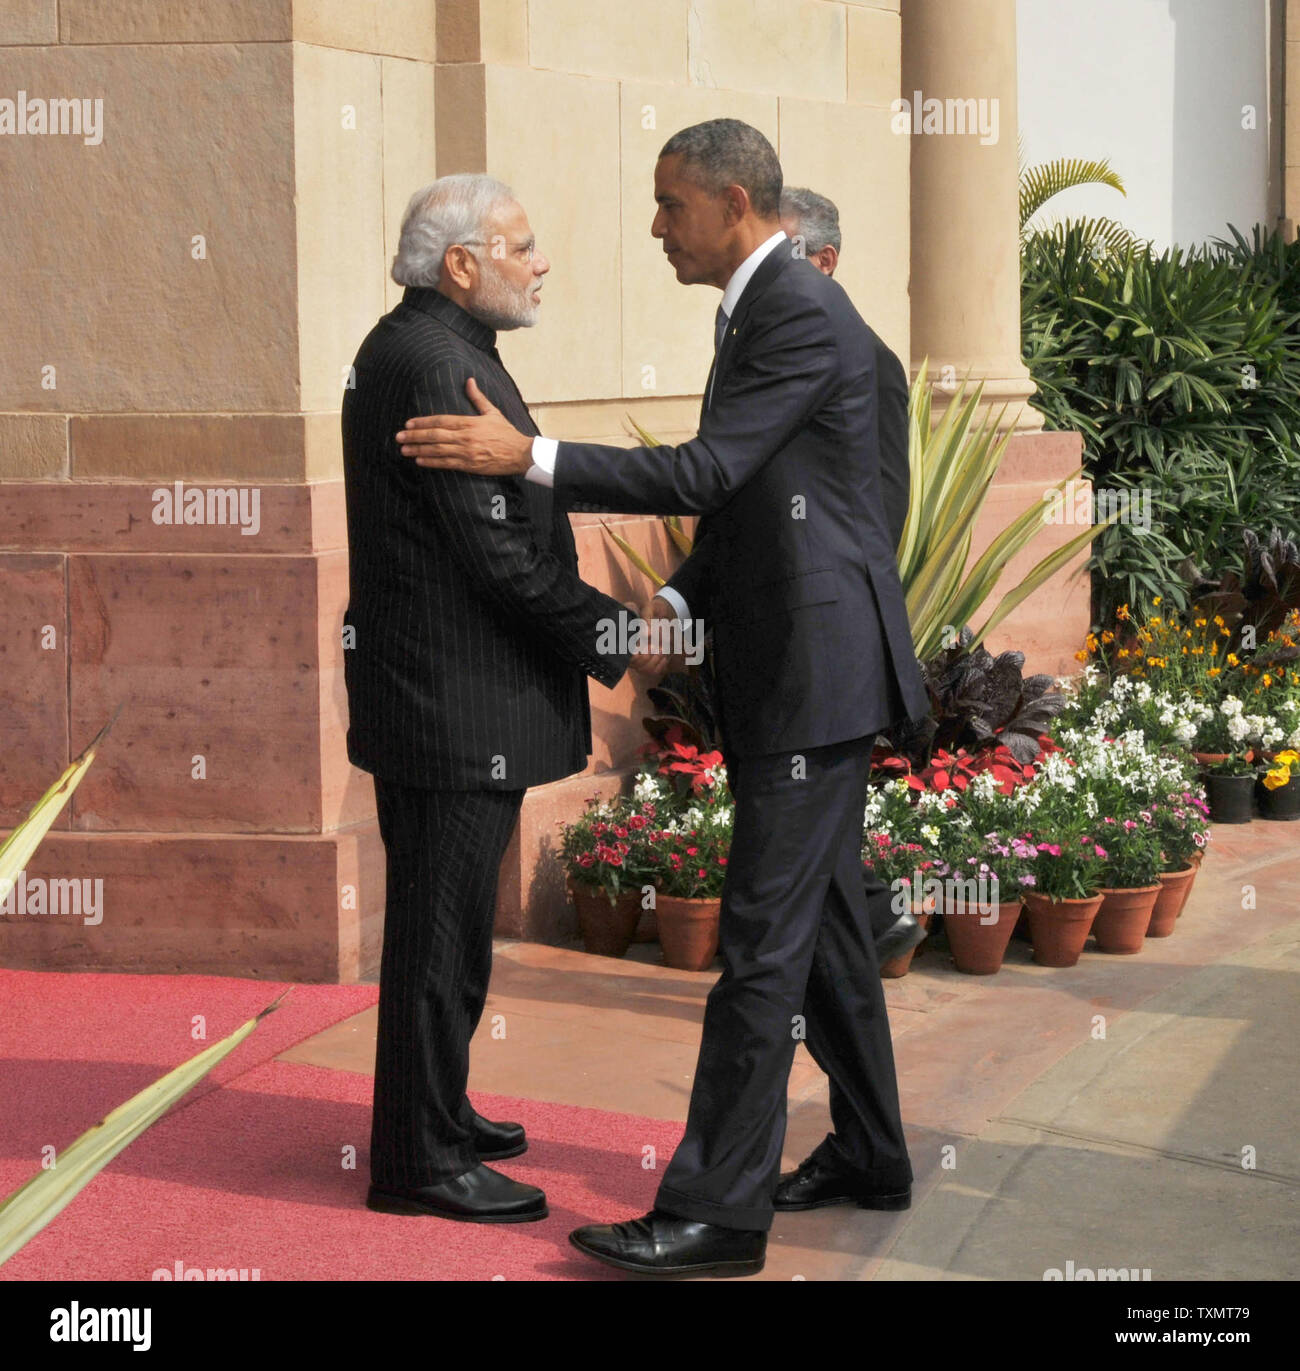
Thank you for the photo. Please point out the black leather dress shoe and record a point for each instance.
(662, 1244)
(479, 1196)
(901, 936)
(494, 1142)
(814, 1186)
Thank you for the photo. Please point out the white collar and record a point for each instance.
(740, 277)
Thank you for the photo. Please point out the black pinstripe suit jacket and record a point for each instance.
(473, 633)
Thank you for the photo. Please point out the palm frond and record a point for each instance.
(1038, 184)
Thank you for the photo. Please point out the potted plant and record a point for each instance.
(1065, 895)
(1182, 821)
(982, 900)
(683, 780)
(1063, 898)
(900, 843)
(603, 852)
(1224, 747)
(1230, 789)
(1279, 788)
(1129, 882)
(691, 866)
(985, 867)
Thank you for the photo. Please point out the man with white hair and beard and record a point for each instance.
(469, 636)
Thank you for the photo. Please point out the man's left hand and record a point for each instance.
(486, 444)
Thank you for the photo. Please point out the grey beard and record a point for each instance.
(500, 306)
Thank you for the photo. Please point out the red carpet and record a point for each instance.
(249, 1171)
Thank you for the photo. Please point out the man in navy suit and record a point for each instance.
(794, 567)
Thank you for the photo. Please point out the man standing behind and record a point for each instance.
(794, 567)
(812, 222)
(466, 677)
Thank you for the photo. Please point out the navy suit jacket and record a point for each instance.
(794, 564)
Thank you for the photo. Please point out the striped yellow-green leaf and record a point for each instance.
(35, 1204)
(634, 556)
(26, 838)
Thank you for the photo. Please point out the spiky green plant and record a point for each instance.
(35, 1204)
(42, 1198)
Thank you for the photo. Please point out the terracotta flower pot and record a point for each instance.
(688, 932)
(647, 927)
(1282, 803)
(607, 925)
(1174, 886)
(893, 967)
(1060, 928)
(1230, 798)
(978, 947)
(1123, 919)
(1214, 758)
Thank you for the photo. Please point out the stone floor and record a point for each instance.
(1134, 1112)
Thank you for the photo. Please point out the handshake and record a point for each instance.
(656, 640)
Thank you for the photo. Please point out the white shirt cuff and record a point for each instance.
(674, 601)
(542, 470)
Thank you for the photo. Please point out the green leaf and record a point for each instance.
(44, 1197)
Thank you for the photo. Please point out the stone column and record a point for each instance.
(960, 60)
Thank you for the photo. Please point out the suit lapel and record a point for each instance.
(769, 269)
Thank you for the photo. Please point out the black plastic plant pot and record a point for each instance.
(1282, 803)
(1231, 798)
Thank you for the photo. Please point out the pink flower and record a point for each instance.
(1100, 851)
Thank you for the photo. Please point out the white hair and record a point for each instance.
(452, 209)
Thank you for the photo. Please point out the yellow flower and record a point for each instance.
(1122, 612)
(1218, 619)
(1268, 680)
(1213, 671)
(1233, 660)
(1108, 637)
(1278, 777)
(1123, 652)
(1157, 600)
(1081, 655)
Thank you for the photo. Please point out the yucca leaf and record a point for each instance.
(18, 848)
(1043, 572)
(634, 556)
(647, 439)
(42, 1198)
(683, 541)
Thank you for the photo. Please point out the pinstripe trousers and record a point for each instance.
(443, 851)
